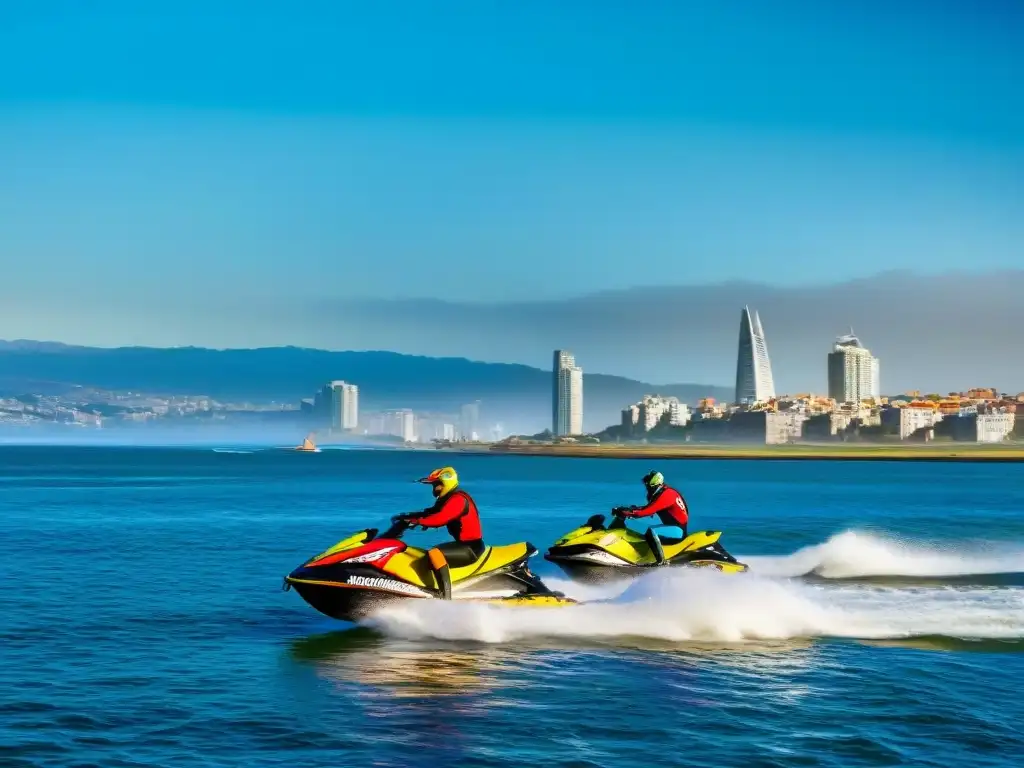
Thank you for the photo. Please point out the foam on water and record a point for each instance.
(854, 554)
(682, 605)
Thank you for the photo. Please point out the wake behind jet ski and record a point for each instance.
(366, 572)
(595, 553)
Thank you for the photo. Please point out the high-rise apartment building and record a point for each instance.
(407, 422)
(567, 397)
(754, 382)
(469, 421)
(852, 371)
(344, 405)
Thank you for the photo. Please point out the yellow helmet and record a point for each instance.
(444, 479)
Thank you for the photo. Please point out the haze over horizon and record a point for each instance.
(468, 179)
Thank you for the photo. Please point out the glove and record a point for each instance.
(403, 518)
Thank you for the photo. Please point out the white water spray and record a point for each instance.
(698, 605)
(854, 554)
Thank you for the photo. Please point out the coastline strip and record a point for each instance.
(963, 453)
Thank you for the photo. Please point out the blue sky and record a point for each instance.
(194, 172)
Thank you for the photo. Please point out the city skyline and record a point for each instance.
(898, 311)
(853, 402)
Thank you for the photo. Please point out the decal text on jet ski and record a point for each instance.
(389, 584)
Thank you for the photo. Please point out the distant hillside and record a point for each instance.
(514, 394)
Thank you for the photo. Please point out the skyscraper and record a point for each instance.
(344, 405)
(469, 421)
(567, 397)
(407, 421)
(852, 371)
(754, 383)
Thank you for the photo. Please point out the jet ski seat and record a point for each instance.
(670, 534)
(459, 555)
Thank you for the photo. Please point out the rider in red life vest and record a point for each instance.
(456, 510)
(670, 506)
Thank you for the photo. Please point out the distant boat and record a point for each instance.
(308, 445)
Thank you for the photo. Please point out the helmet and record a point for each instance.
(653, 480)
(444, 480)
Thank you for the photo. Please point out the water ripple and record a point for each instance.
(142, 622)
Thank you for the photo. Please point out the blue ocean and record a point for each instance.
(142, 620)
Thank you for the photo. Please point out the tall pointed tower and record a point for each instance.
(754, 382)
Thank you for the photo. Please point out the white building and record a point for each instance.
(784, 427)
(567, 397)
(994, 427)
(770, 427)
(406, 426)
(754, 382)
(853, 373)
(909, 420)
(344, 405)
(645, 415)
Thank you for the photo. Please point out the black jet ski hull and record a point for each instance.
(592, 565)
(347, 603)
(358, 593)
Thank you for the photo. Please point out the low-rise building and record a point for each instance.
(769, 427)
(784, 427)
(994, 427)
(707, 408)
(984, 427)
(910, 419)
(651, 409)
(825, 426)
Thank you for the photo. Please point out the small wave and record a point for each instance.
(698, 606)
(229, 450)
(855, 554)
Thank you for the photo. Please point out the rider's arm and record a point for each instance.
(436, 516)
(663, 502)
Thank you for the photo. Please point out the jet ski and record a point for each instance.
(595, 553)
(366, 572)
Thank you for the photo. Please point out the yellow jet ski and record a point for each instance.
(595, 553)
(366, 572)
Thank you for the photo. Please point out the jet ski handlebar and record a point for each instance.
(618, 517)
(399, 525)
(596, 522)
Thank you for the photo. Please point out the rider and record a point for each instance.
(454, 508)
(669, 505)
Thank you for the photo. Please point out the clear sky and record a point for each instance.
(172, 170)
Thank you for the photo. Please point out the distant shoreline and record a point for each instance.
(962, 453)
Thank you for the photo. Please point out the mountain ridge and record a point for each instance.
(509, 392)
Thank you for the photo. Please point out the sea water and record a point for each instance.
(142, 621)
